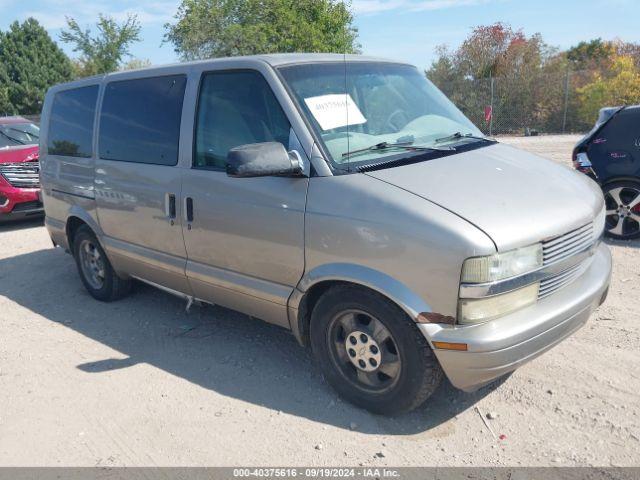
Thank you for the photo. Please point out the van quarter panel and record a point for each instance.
(67, 176)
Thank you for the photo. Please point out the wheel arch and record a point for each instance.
(76, 218)
(621, 178)
(318, 280)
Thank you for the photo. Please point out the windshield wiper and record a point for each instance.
(12, 138)
(404, 145)
(25, 132)
(460, 135)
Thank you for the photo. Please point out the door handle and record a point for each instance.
(188, 211)
(170, 207)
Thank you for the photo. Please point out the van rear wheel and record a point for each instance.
(97, 275)
(371, 352)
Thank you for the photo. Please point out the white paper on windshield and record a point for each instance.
(335, 110)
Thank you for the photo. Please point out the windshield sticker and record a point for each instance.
(335, 111)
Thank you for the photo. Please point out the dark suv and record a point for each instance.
(610, 154)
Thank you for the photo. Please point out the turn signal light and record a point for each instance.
(450, 346)
(433, 317)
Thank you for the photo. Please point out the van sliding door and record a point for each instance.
(138, 181)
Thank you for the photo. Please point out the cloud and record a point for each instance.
(377, 6)
(51, 13)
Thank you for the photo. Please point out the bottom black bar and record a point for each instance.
(377, 473)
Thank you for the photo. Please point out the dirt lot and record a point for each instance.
(141, 382)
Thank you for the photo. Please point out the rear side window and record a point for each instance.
(235, 108)
(140, 120)
(71, 122)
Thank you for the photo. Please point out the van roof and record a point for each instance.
(278, 59)
(273, 59)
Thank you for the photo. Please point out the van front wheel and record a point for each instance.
(97, 275)
(371, 352)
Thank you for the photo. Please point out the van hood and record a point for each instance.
(20, 153)
(513, 196)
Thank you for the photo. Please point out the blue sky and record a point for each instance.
(404, 29)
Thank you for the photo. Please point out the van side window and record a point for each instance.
(71, 122)
(235, 108)
(140, 120)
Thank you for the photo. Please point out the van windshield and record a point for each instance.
(13, 134)
(354, 106)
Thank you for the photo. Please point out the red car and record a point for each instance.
(19, 169)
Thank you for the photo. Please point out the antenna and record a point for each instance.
(346, 105)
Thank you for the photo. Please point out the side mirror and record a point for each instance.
(263, 159)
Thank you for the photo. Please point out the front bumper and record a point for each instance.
(500, 346)
(19, 203)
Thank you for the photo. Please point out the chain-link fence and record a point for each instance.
(522, 105)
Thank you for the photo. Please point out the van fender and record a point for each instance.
(396, 291)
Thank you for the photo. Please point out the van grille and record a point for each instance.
(551, 284)
(559, 248)
(21, 175)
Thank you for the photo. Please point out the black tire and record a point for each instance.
(112, 287)
(418, 374)
(623, 218)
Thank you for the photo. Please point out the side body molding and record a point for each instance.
(388, 286)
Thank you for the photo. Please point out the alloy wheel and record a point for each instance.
(623, 211)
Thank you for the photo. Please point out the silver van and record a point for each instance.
(341, 197)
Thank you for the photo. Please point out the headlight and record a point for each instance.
(485, 309)
(502, 265)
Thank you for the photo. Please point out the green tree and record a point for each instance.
(136, 63)
(589, 55)
(621, 86)
(30, 63)
(103, 53)
(494, 51)
(5, 105)
(220, 28)
(627, 49)
(521, 68)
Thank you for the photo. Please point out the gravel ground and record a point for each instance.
(141, 382)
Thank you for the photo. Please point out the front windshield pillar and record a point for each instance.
(320, 164)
